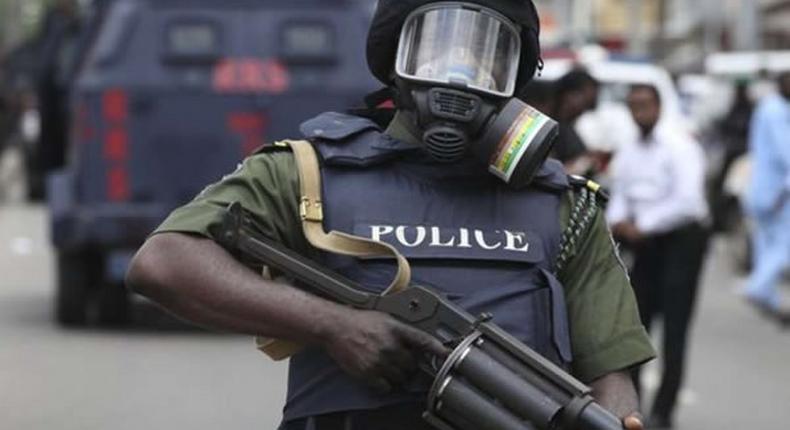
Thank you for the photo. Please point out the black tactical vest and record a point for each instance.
(466, 234)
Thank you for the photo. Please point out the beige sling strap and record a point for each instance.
(312, 214)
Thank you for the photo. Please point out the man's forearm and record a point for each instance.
(197, 280)
(616, 393)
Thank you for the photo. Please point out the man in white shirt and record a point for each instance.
(658, 209)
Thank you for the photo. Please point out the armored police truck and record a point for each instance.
(172, 95)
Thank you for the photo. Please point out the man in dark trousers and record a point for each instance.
(658, 209)
(733, 130)
(427, 186)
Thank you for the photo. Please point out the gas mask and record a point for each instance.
(456, 68)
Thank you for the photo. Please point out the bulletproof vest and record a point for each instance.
(489, 248)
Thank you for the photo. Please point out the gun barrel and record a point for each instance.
(595, 417)
(508, 388)
(461, 400)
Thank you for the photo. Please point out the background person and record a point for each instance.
(657, 209)
(540, 95)
(768, 197)
(576, 93)
(733, 130)
(60, 31)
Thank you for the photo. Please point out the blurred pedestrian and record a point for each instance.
(59, 33)
(540, 95)
(576, 93)
(734, 131)
(5, 108)
(768, 197)
(658, 209)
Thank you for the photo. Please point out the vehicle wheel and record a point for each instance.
(76, 273)
(114, 306)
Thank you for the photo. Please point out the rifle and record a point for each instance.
(490, 380)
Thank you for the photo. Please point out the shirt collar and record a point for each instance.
(655, 136)
(648, 140)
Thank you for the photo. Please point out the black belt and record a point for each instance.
(396, 417)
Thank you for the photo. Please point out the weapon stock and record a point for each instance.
(490, 381)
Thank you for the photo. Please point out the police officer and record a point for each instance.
(457, 182)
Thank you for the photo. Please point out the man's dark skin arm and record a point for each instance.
(199, 281)
(616, 393)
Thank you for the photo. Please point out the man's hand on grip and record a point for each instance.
(378, 349)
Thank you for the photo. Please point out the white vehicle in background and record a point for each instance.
(754, 64)
(707, 97)
(704, 99)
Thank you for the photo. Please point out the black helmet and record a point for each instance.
(390, 16)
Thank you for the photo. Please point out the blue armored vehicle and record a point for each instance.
(172, 95)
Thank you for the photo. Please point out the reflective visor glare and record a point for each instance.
(457, 45)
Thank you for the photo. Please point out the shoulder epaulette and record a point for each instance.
(271, 147)
(580, 182)
(589, 200)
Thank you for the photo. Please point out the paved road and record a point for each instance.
(161, 376)
(739, 375)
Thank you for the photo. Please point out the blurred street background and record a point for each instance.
(113, 112)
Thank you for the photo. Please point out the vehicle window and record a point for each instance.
(193, 41)
(307, 42)
(116, 28)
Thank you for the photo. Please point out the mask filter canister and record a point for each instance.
(516, 143)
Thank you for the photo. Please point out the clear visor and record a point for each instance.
(453, 44)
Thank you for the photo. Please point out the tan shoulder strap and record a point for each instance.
(311, 211)
(312, 214)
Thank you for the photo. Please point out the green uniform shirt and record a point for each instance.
(606, 333)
